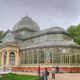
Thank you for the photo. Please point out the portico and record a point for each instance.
(9, 55)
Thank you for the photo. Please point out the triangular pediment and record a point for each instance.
(8, 37)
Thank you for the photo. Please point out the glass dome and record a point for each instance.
(26, 23)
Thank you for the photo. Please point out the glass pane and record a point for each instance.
(12, 58)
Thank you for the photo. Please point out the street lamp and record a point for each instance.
(39, 71)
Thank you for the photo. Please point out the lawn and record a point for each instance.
(18, 77)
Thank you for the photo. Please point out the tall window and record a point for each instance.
(48, 56)
(66, 59)
(35, 56)
(12, 58)
(78, 58)
(41, 56)
(73, 59)
(26, 57)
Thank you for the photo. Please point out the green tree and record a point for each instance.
(1, 34)
(74, 32)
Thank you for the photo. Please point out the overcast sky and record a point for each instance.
(47, 13)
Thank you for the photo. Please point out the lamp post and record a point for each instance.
(39, 71)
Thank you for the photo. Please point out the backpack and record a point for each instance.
(47, 73)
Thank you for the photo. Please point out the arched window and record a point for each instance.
(12, 58)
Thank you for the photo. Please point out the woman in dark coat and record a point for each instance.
(46, 73)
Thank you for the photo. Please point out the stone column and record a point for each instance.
(75, 58)
(52, 57)
(17, 58)
(2, 60)
(61, 59)
(69, 59)
(7, 60)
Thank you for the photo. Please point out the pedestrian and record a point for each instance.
(57, 69)
(53, 73)
(46, 74)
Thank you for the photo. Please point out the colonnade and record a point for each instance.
(9, 58)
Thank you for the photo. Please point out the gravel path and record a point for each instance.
(66, 76)
(62, 76)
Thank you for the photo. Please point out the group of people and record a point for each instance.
(45, 74)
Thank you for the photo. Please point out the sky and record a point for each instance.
(46, 13)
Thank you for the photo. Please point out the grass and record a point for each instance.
(18, 77)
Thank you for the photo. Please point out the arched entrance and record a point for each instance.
(12, 58)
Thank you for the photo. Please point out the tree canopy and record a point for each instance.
(1, 33)
(74, 31)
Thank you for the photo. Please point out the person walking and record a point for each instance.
(57, 69)
(53, 73)
(46, 74)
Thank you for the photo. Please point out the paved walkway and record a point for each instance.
(66, 76)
